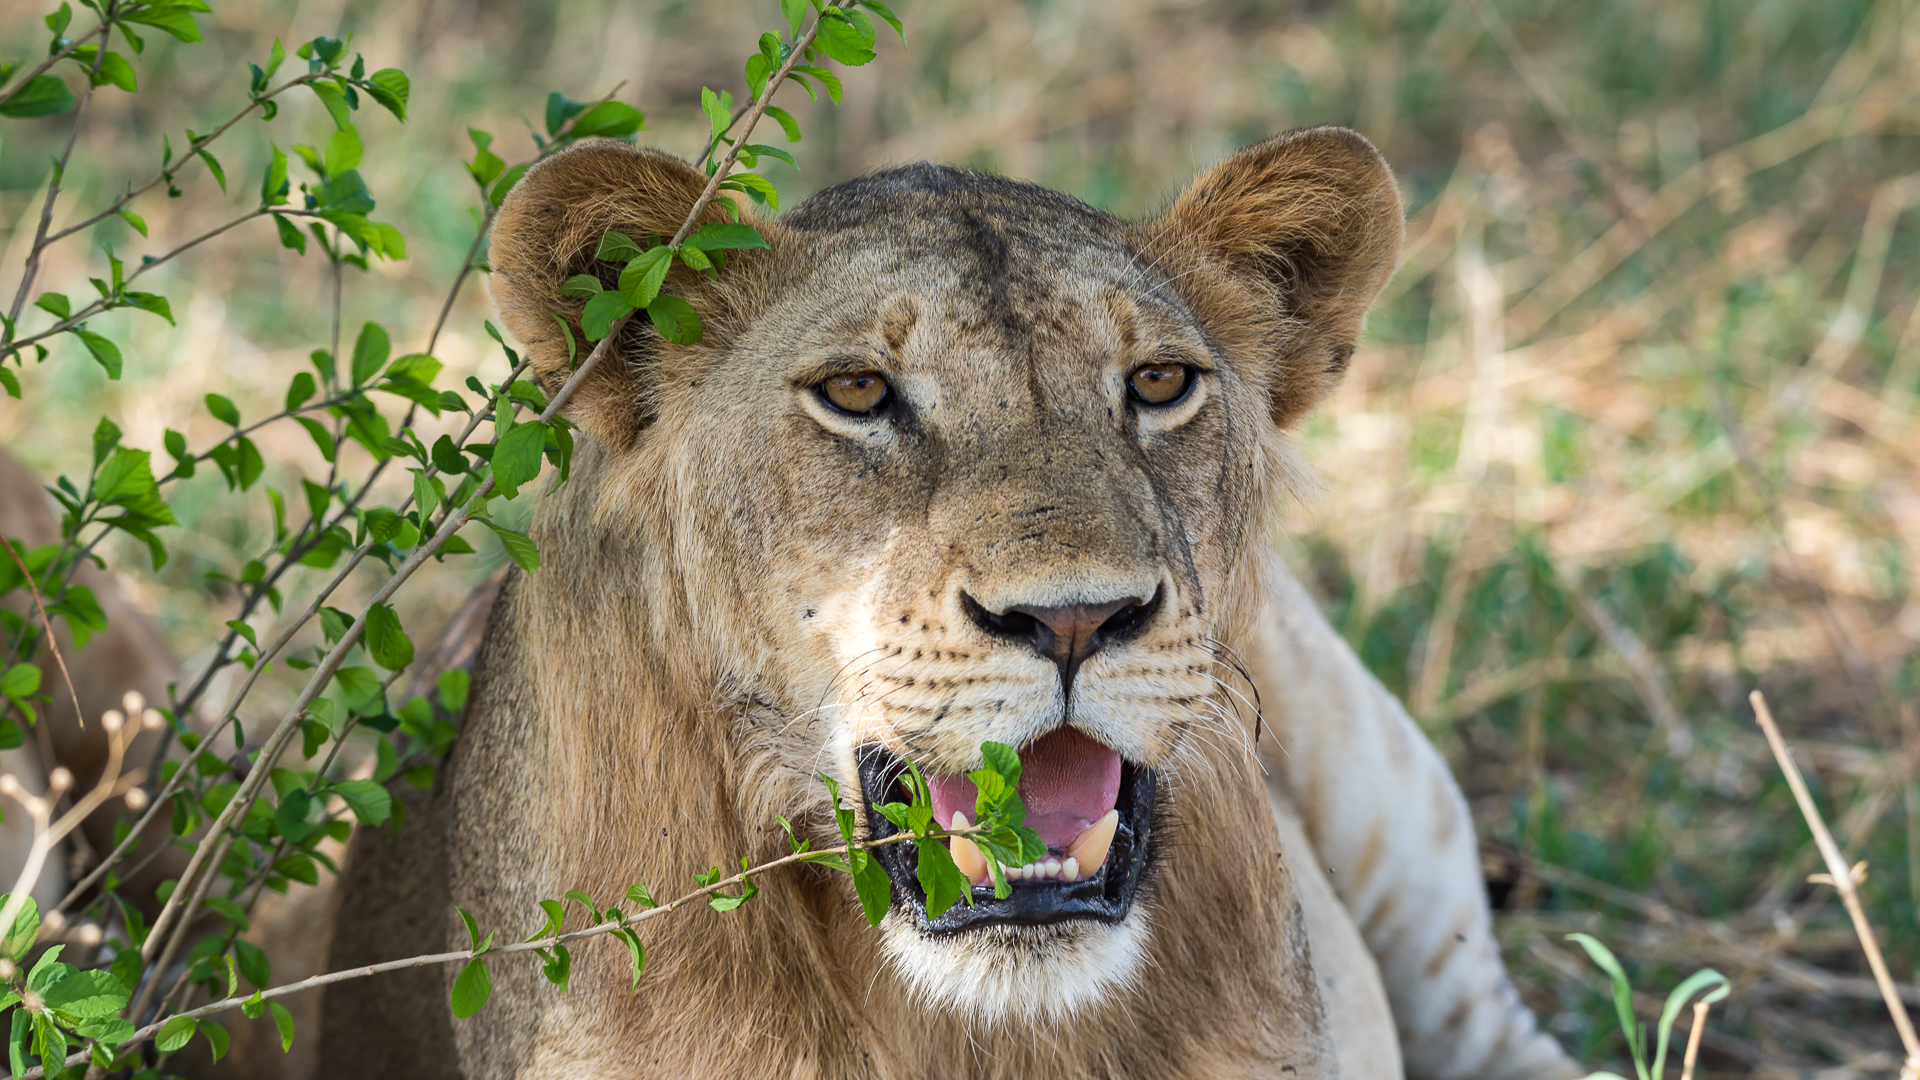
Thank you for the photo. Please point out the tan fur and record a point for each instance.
(740, 586)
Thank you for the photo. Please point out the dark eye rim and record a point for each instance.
(886, 396)
(1186, 391)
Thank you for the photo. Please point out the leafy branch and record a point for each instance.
(999, 831)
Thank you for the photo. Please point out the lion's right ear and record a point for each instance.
(1308, 223)
(549, 229)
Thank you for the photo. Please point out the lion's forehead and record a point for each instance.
(977, 261)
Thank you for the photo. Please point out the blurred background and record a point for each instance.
(1632, 432)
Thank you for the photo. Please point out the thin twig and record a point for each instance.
(189, 155)
(40, 241)
(1845, 879)
(52, 645)
(547, 942)
(753, 117)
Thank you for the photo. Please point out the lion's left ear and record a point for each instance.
(1310, 220)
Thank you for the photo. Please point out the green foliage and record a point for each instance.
(1712, 982)
(356, 408)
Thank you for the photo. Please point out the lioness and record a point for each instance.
(959, 459)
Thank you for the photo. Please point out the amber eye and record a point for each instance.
(860, 394)
(1159, 384)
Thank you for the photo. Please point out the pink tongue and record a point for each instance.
(1067, 781)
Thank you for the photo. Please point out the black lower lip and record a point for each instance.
(1106, 897)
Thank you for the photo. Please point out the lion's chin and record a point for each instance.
(1000, 975)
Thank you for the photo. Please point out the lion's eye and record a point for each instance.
(1159, 384)
(860, 394)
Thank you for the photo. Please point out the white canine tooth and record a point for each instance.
(966, 854)
(1070, 870)
(1053, 867)
(1089, 850)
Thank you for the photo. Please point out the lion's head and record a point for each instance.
(962, 459)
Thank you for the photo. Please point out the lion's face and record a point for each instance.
(984, 464)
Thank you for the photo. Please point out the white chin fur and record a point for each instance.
(1000, 974)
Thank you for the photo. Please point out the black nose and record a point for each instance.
(1067, 634)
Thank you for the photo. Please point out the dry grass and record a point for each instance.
(1637, 428)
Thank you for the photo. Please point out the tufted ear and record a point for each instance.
(1309, 223)
(548, 230)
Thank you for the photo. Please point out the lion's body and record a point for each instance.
(742, 584)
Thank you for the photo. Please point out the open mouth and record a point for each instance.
(1091, 807)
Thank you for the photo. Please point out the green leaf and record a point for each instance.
(516, 459)
(368, 801)
(88, 995)
(1677, 1000)
(151, 303)
(453, 686)
(471, 988)
(43, 95)
(827, 79)
(614, 246)
(291, 816)
(139, 223)
(886, 13)
(719, 109)
(558, 967)
(641, 280)
(582, 286)
(1622, 995)
(114, 70)
(391, 88)
(942, 881)
(26, 927)
(223, 410)
(227, 910)
(290, 234)
(283, 1020)
(519, 548)
(560, 109)
(252, 963)
(175, 1034)
(787, 123)
(360, 690)
(104, 351)
(334, 100)
(386, 640)
(55, 304)
(370, 352)
(636, 951)
(173, 19)
(343, 151)
(609, 119)
(839, 39)
(769, 151)
(505, 184)
(108, 1030)
(298, 867)
(213, 166)
(675, 319)
(870, 882)
(601, 312)
(217, 1038)
(20, 679)
(726, 235)
(418, 369)
(795, 12)
(757, 187)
